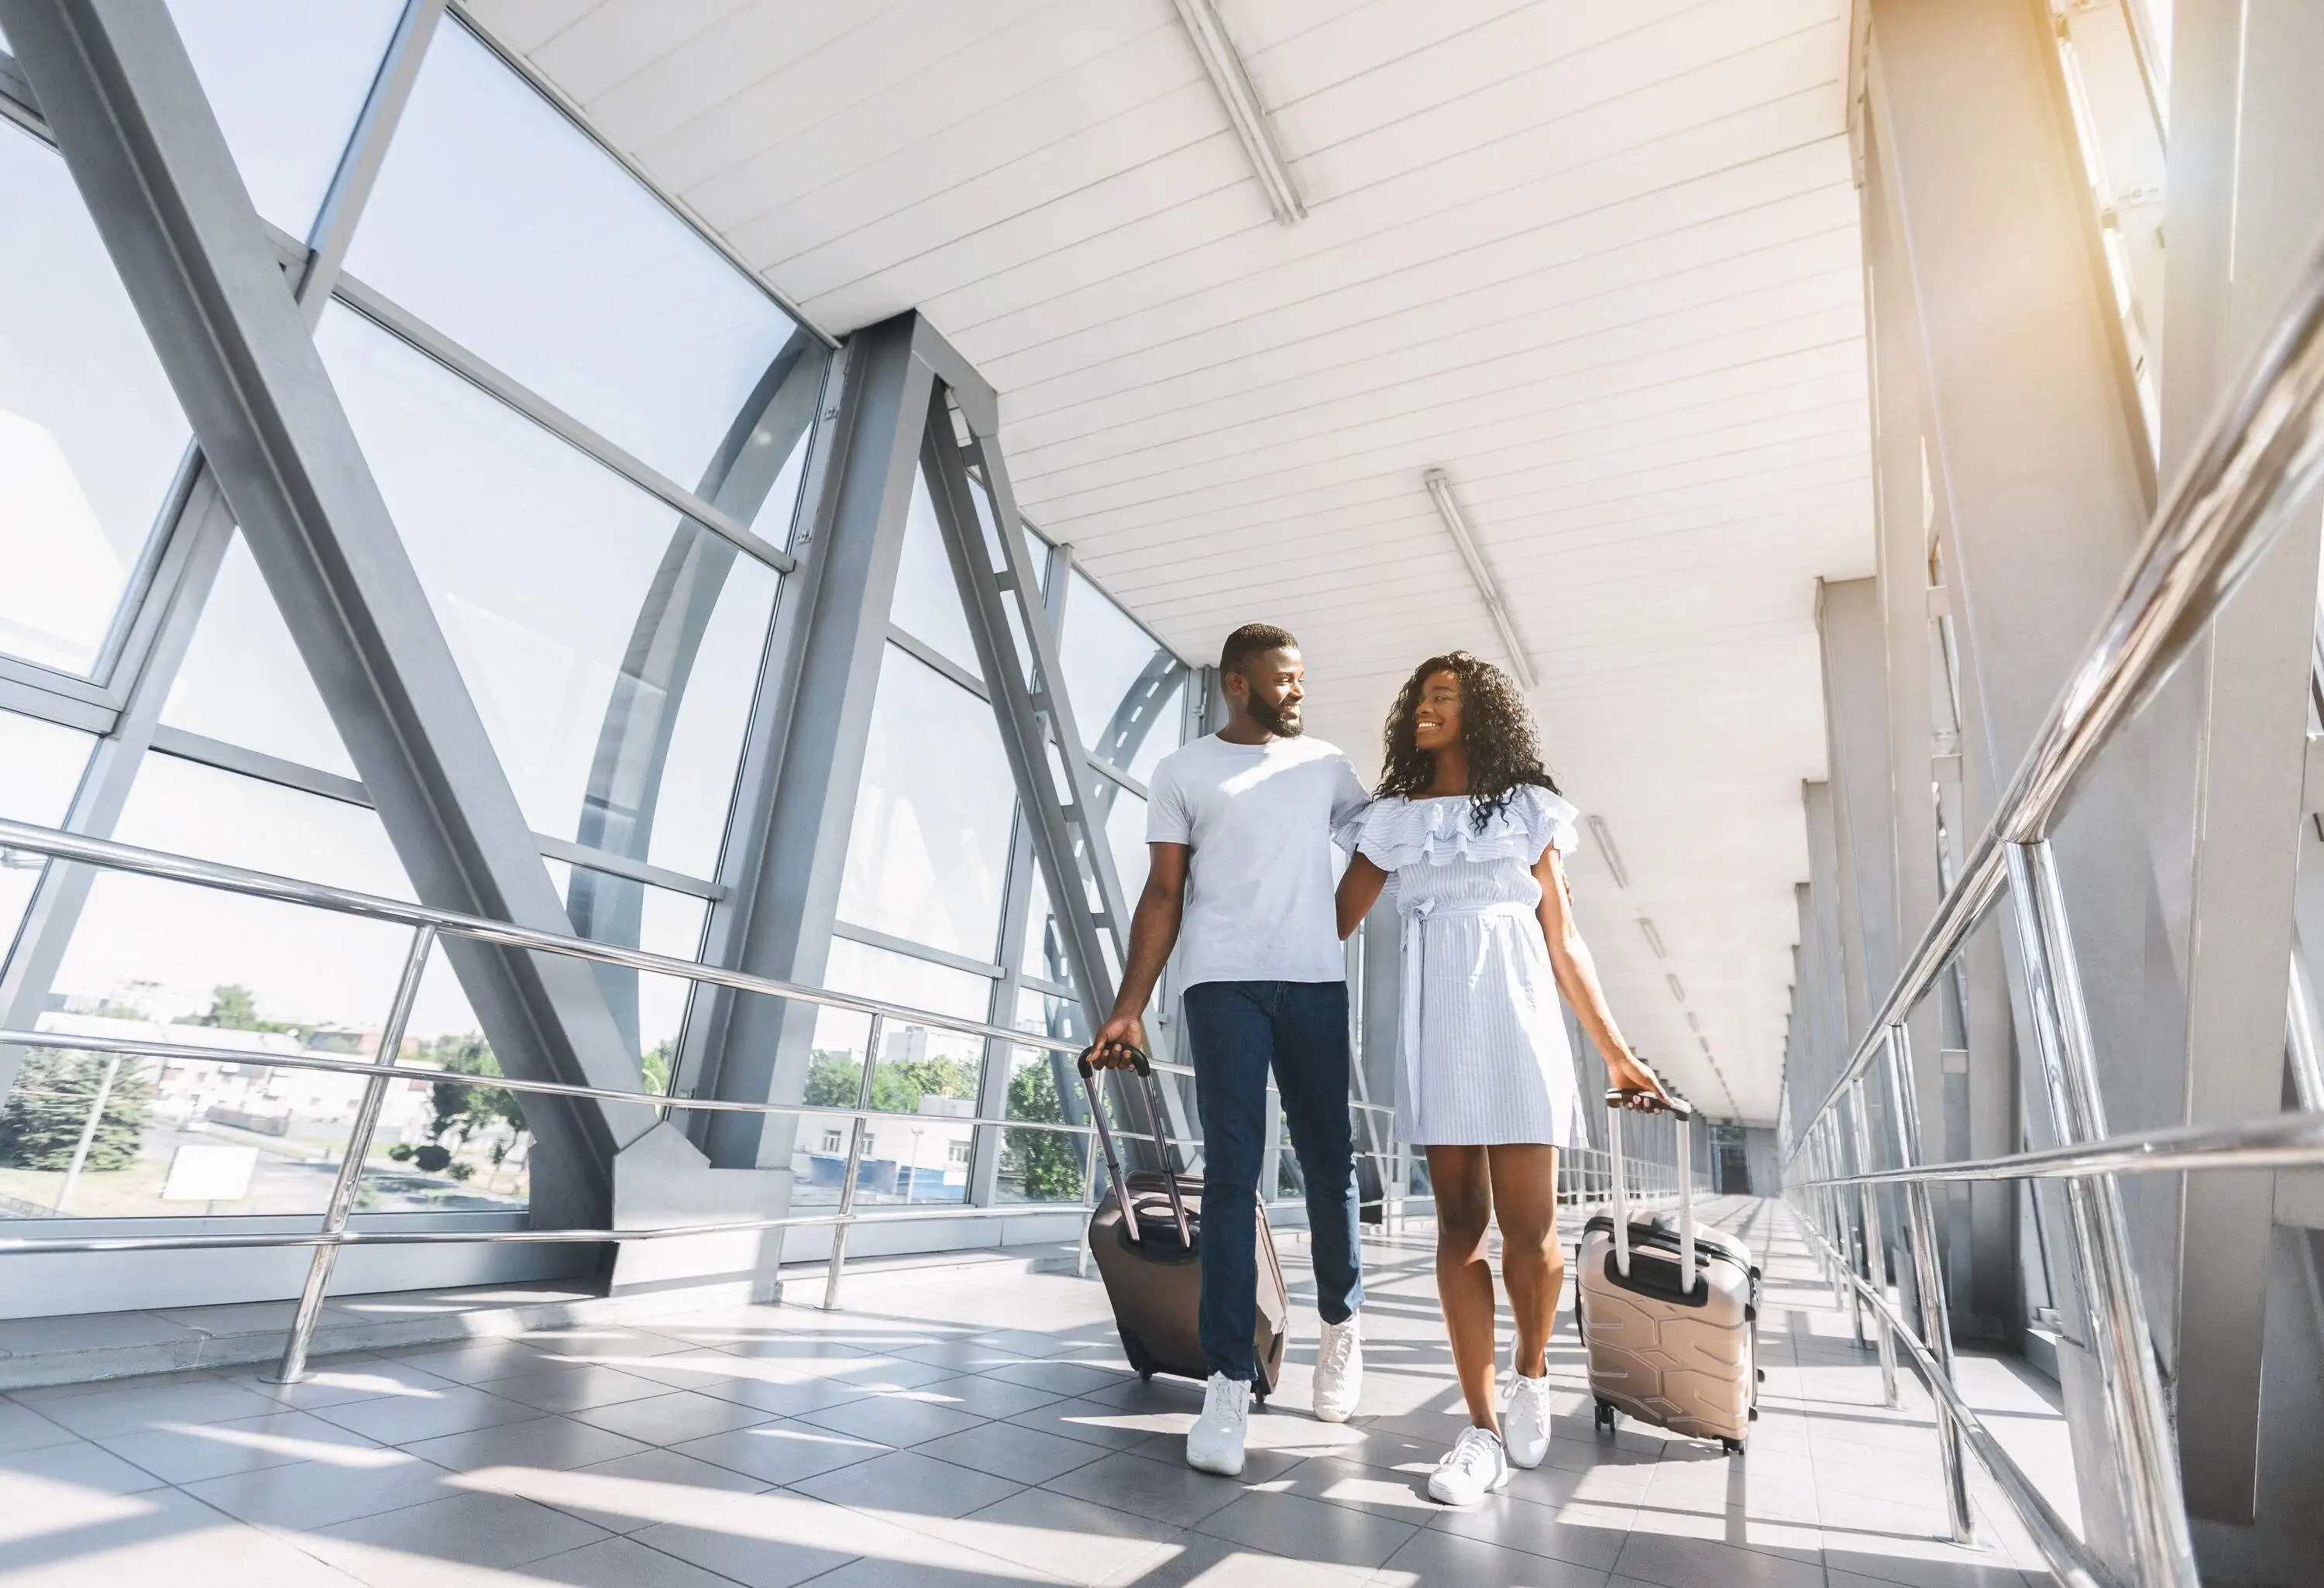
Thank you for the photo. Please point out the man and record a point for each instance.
(1241, 827)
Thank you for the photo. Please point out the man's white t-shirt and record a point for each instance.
(1259, 819)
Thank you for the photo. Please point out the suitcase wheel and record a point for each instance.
(1605, 1416)
(1732, 1446)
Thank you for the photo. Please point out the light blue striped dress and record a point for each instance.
(1485, 1059)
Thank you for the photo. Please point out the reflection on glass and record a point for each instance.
(611, 647)
(1125, 837)
(156, 961)
(40, 766)
(286, 79)
(1044, 1165)
(505, 227)
(443, 1147)
(928, 854)
(244, 680)
(90, 435)
(928, 595)
(929, 1076)
(1124, 687)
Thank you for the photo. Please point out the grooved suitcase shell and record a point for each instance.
(1690, 1367)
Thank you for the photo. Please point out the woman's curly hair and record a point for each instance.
(1496, 729)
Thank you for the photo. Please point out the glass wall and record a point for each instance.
(590, 430)
(609, 630)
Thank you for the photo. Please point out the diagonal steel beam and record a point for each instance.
(144, 149)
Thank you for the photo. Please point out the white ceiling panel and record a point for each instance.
(1598, 262)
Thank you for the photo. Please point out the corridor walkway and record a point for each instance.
(973, 1423)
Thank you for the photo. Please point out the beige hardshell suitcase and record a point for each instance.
(1668, 1314)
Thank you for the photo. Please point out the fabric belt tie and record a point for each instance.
(1417, 918)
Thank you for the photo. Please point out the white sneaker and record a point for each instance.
(1526, 1426)
(1474, 1467)
(1214, 1443)
(1340, 1369)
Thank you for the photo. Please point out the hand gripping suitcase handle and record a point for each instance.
(1618, 1098)
(1145, 1068)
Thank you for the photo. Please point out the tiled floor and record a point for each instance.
(958, 1426)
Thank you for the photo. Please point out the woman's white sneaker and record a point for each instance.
(1340, 1369)
(1525, 1425)
(1214, 1443)
(1474, 1467)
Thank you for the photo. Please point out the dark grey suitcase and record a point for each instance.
(1151, 1262)
(1668, 1313)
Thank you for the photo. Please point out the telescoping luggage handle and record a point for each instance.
(1145, 1068)
(1618, 1098)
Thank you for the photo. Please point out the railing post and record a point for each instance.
(854, 1165)
(1876, 1246)
(2138, 1424)
(88, 1130)
(1928, 1277)
(292, 1369)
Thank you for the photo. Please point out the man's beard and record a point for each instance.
(1273, 720)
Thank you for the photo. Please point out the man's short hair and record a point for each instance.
(1247, 643)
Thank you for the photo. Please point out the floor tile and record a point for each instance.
(629, 1491)
(1094, 1423)
(1308, 1529)
(576, 1389)
(1195, 1560)
(1029, 1455)
(983, 1396)
(904, 1482)
(188, 1452)
(787, 1400)
(1164, 1491)
(621, 1563)
(1060, 1377)
(672, 1418)
(557, 1444)
(80, 1464)
(307, 1495)
(1580, 1534)
(413, 1545)
(783, 1451)
(338, 1379)
(81, 1540)
(23, 1428)
(148, 1405)
(1063, 1537)
(1432, 1558)
(892, 1420)
(402, 1419)
(1699, 1562)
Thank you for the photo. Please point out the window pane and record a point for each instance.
(929, 1075)
(602, 636)
(482, 1145)
(1125, 836)
(165, 962)
(927, 596)
(929, 851)
(40, 766)
(287, 80)
(244, 680)
(1044, 1165)
(1121, 683)
(90, 435)
(498, 222)
(650, 1009)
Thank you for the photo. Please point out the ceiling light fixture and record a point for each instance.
(1247, 115)
(1677, 991)
(1653, 938)
(1597, 825)
(1456, 524)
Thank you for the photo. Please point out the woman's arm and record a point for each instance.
(1359, 889)
(1577, 978)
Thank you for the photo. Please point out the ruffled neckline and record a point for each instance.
(1399, 832)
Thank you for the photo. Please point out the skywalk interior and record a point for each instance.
(591, 592)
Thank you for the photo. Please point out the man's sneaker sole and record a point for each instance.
(1494, 1487)
(1219, 1468)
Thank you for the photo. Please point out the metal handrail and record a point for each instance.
(205, 873)
(2262, 451)
(2271, 1142)
(2264, 447)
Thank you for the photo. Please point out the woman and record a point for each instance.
(1472, 830)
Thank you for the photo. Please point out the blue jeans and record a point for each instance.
(1237, 1029)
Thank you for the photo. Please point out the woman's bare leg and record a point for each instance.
(1533, 1260)
(1462, 1179)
